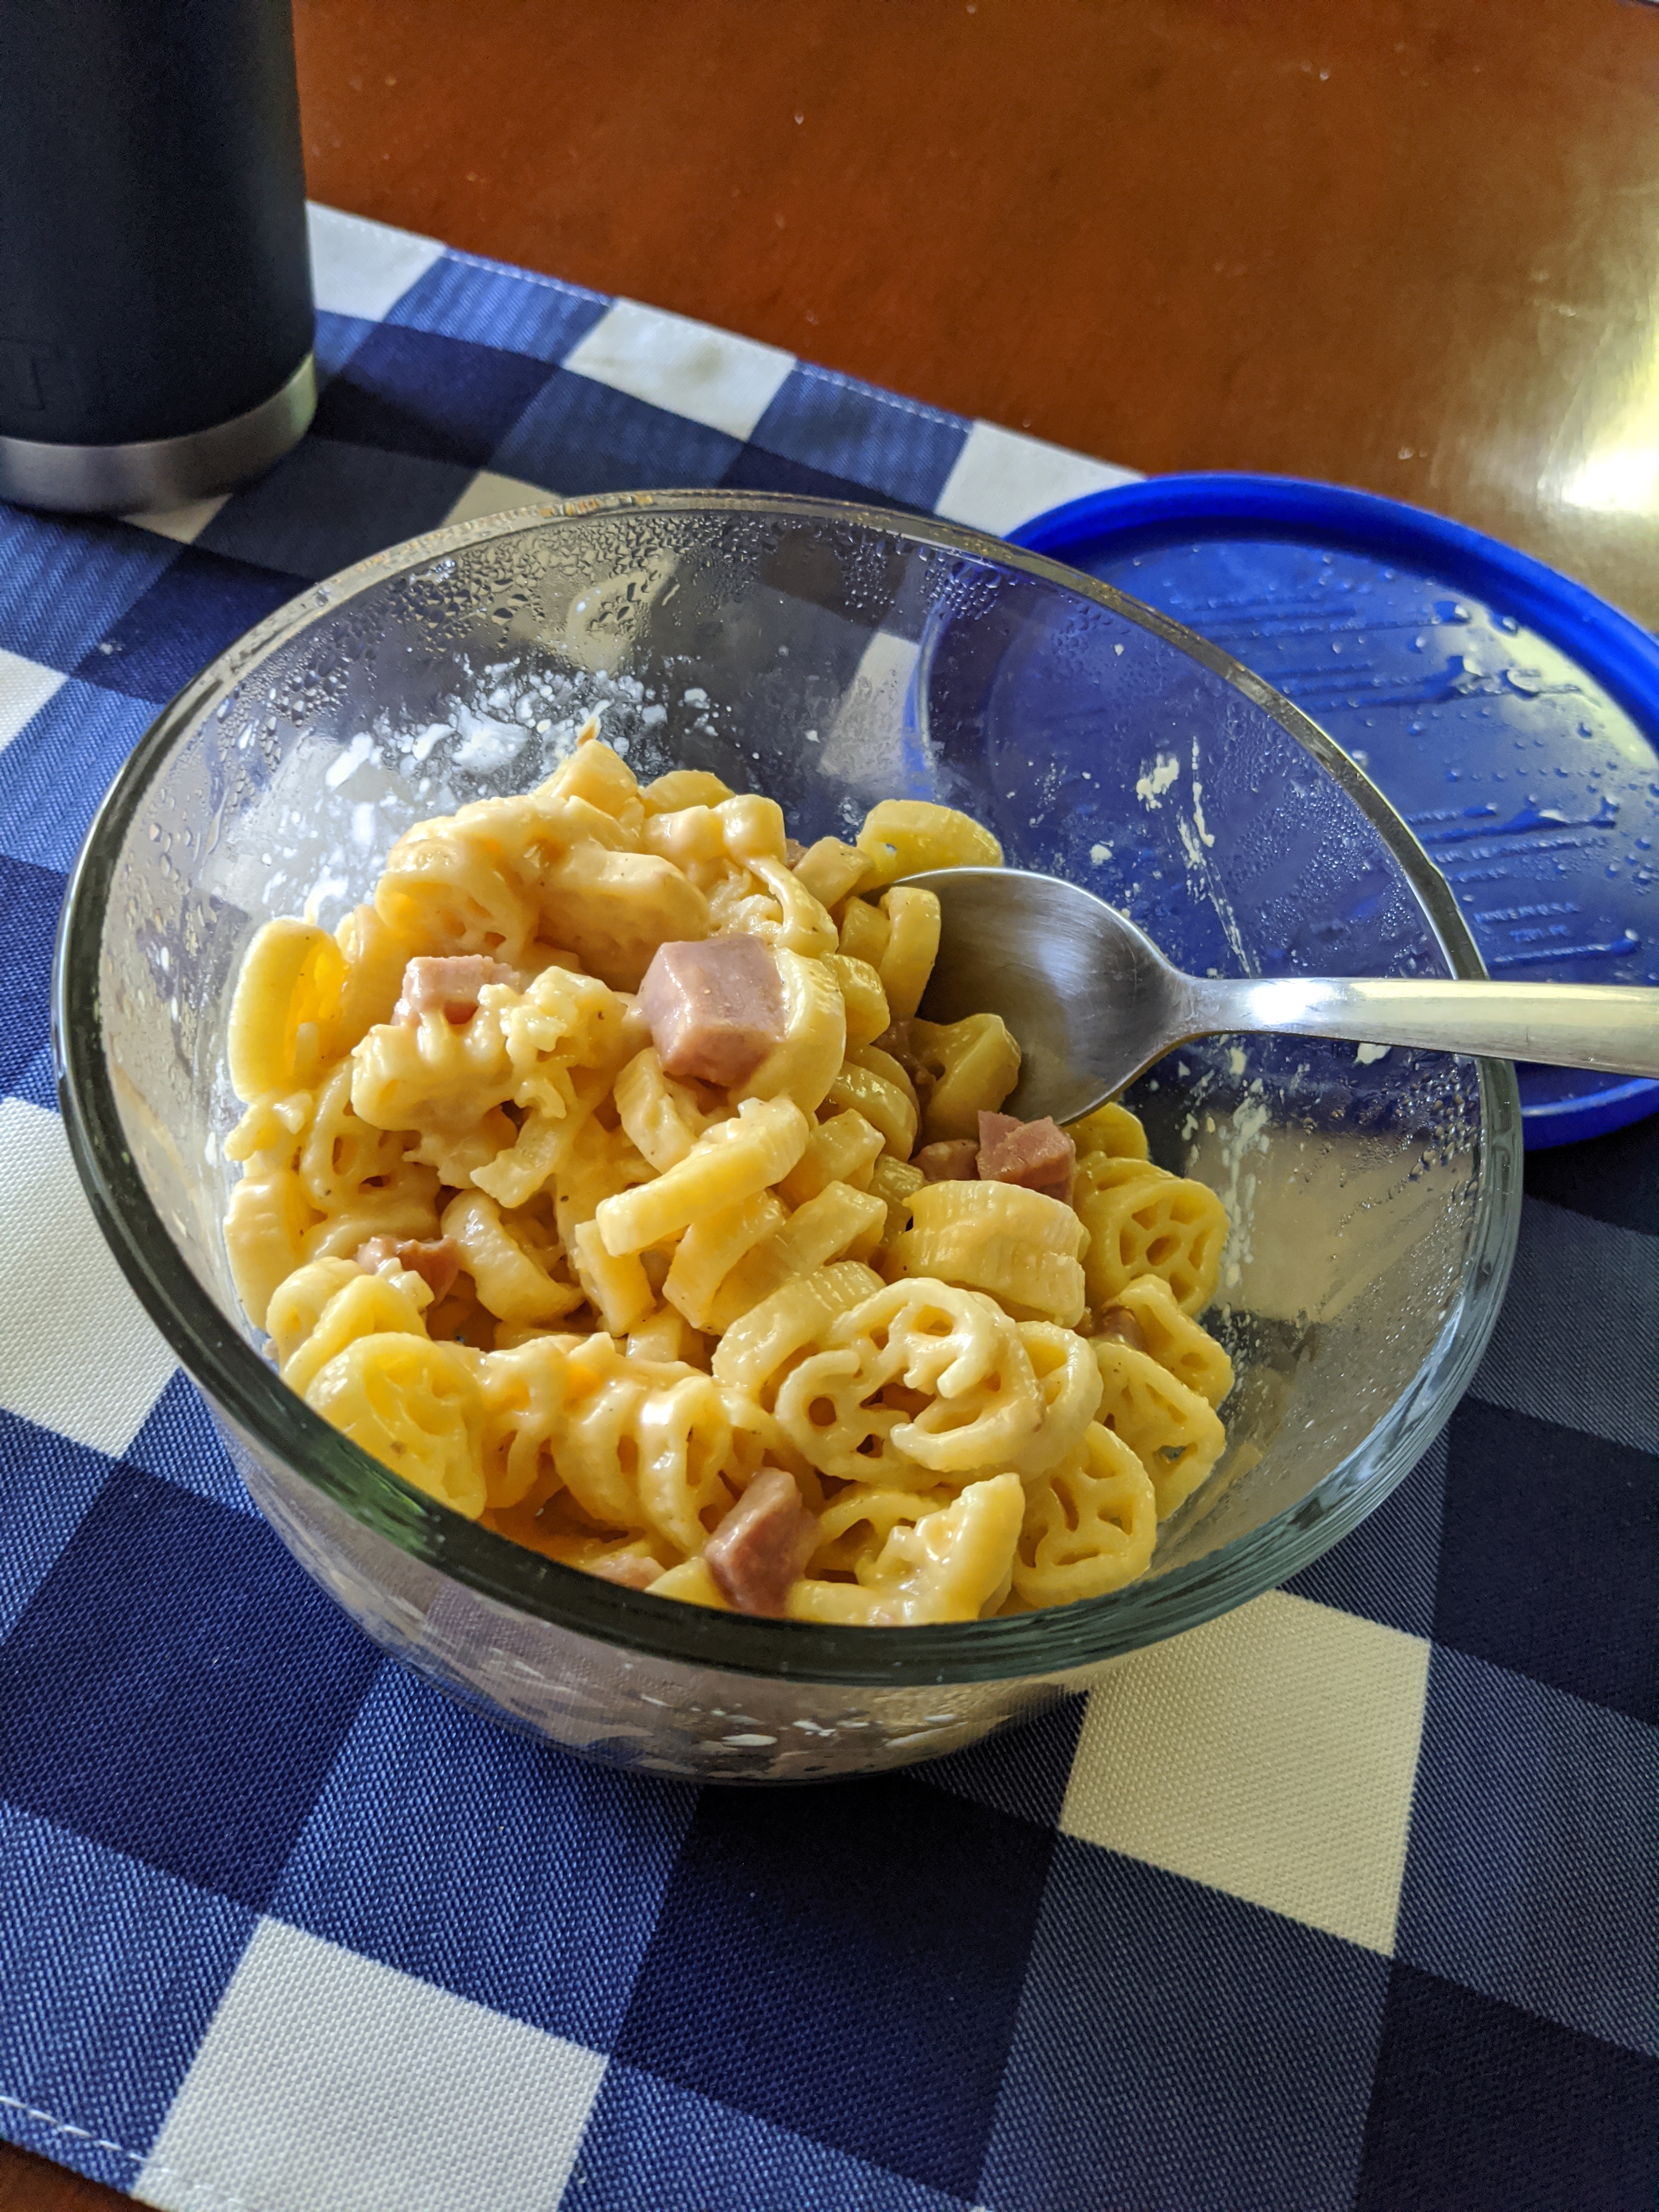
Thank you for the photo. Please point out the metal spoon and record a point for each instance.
(1093, 1002)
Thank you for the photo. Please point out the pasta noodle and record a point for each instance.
(833, 1340)
(1025, 1248)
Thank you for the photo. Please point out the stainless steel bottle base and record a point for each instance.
(158, 473)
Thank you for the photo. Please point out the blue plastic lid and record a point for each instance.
(1508, 713)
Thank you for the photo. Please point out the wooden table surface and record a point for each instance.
(1410, 245)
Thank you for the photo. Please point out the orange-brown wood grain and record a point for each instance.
(34, 2185)
(1407, 244)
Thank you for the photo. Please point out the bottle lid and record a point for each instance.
(1510, 714)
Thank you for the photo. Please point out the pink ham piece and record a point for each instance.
(759, 1549)
(437, 1264)
(633, 1569)
(715, 1007)
(953, 1159)
(1036, 1155)
(448, 984)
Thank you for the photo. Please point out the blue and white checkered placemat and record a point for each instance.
(1348, 1900)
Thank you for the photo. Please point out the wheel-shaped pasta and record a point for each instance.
(734, 1160)
(666, 1337)
(843, 1149)
(712, 1247)
(366, 1305)
(1172, 1338)
(514, 1172)
(687, 1448)
(864, 933)
(960, 1070)
(954, 1564)
(403, 1211)
(596, 1447)
(895, 1183)
(604, 1165)
(599, 774)
(515, 1259)
(830, 869)
(1151, 1223)
(270, 1134)
(873, 1083)
(267, 1224)
(691, 1582)
(864, 1000)
(642, 1444)
(853, 1529)
(408, 1075)
(376, 957)
(758, 1349)
(288, 994)
(448, 894)
(1171, 1431)
(1023, 1248)
(1111, 1131)
(616, 1285)
(1090, 1524)
(344, 1158)
(920, 1380)
(522, 1394)
(912, 946)
(693, 838)
(752, 827)
(839, 1223)
(297, 1304)
(614, 910)
(908, 836)
(415, 1406)
(803, 925)
(561, 1023)
(461, 1155)
(662, 1119)
(1069, 1378)
(681, 787)
(802, 1068)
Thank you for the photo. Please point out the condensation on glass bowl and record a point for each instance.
(831, 656)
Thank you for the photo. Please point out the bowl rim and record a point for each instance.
(1047, 1643)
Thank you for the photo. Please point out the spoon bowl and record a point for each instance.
(1092, 1003)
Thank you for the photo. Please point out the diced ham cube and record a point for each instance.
(759, 1549)
(715, 1007)
(953, 1159)
(793, 852)
(1120, 1325)
(1037, 1155)
(633, 1569)
(437, 1263)
(448, 984)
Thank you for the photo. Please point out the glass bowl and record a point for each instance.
(830, 655)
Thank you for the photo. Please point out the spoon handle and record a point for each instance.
(1614, 1027)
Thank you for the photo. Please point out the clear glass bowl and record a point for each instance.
(831, 656)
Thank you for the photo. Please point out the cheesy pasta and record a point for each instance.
(601, 1178)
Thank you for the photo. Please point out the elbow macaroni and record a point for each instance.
(989, 1398)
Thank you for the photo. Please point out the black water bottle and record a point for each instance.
(156, 312)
